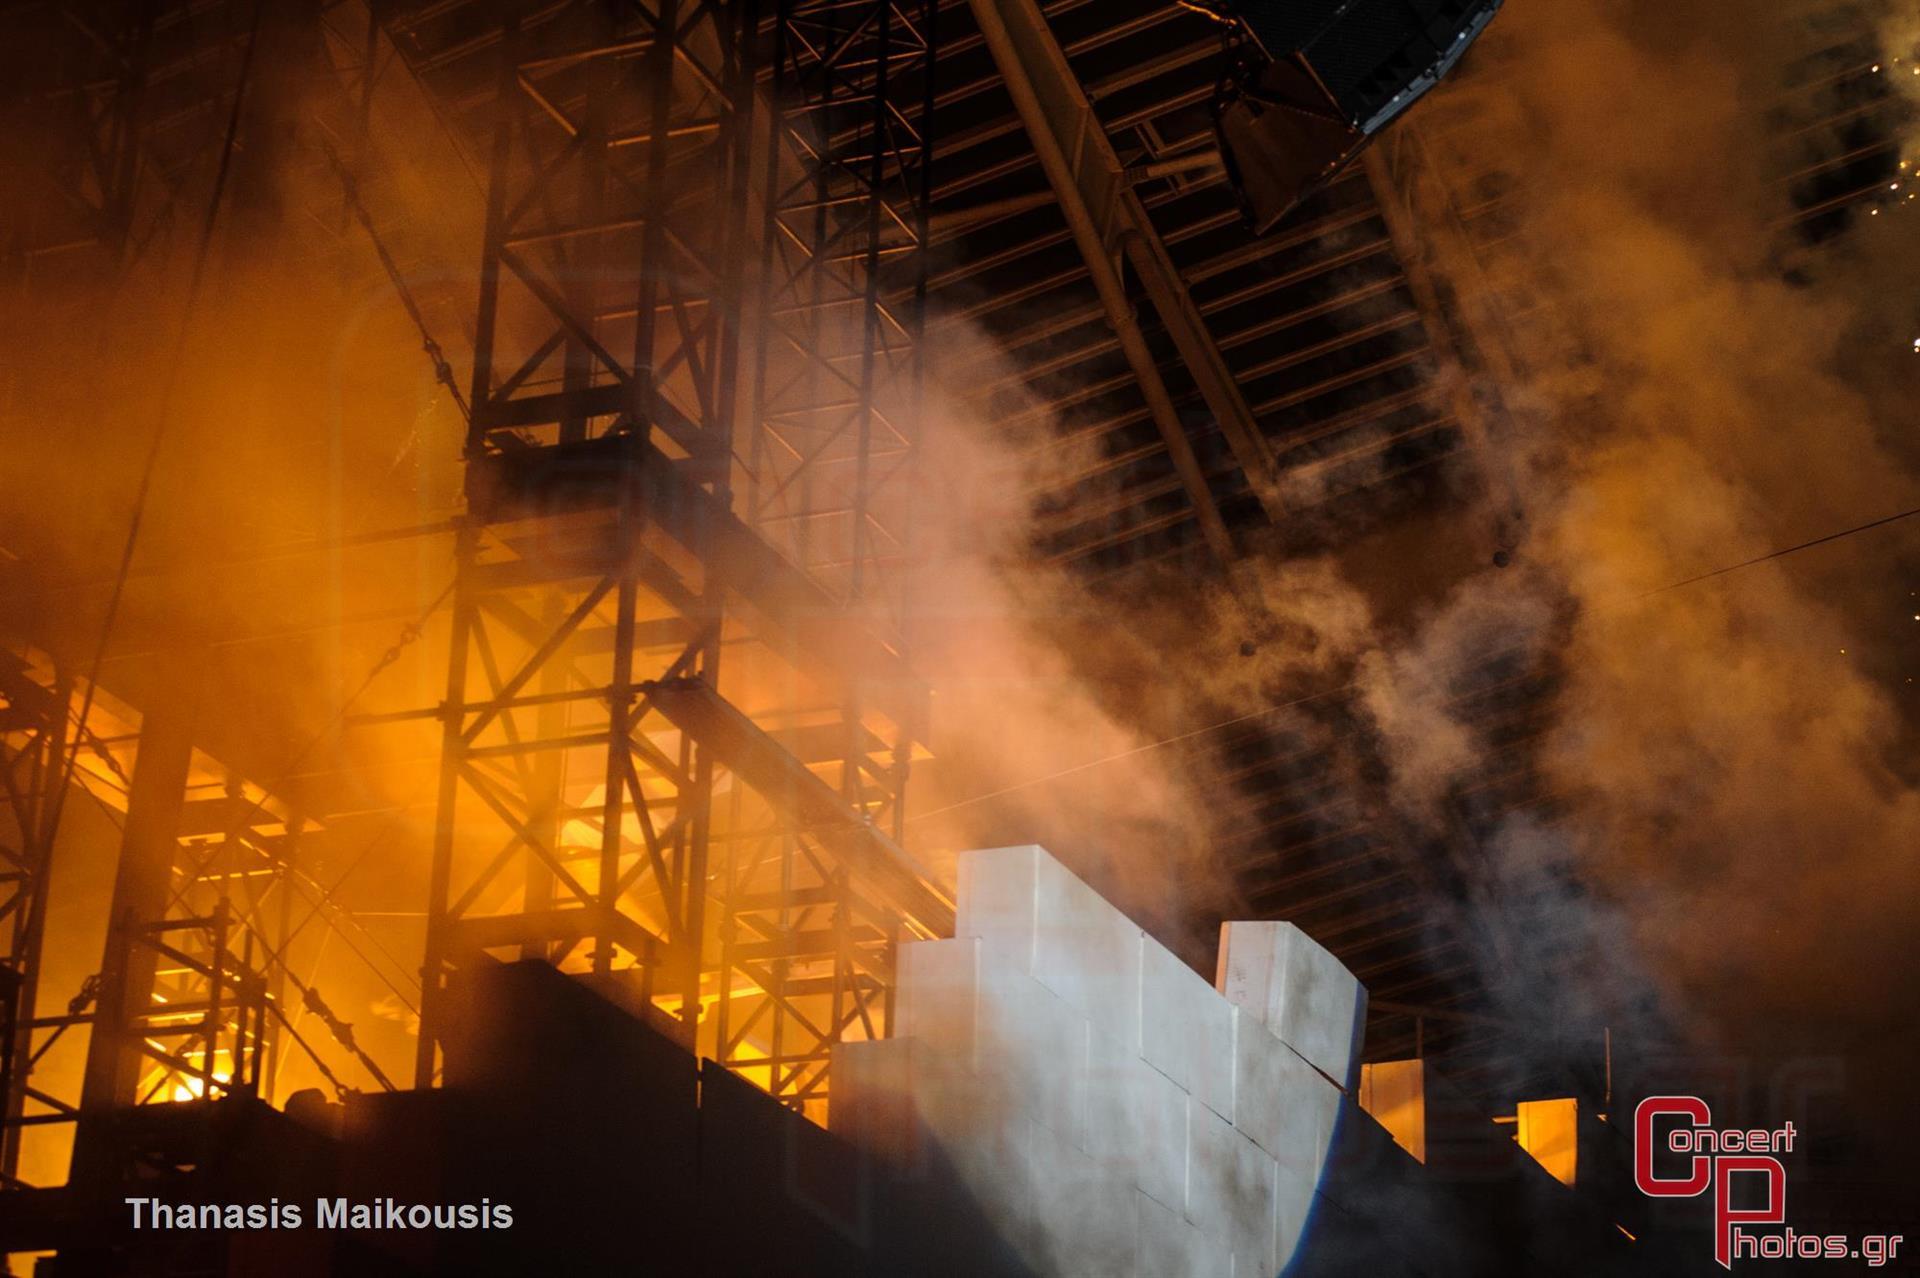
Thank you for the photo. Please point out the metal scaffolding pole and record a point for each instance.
(183, 992)
(34, 726)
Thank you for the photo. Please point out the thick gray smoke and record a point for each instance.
(1728, 762)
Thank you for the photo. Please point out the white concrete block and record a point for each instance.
(966, 1009)
(1109, 1132)
(971, 1129)
(997, 899)
(1029, 1042)
(1086, 951)
(1230, 1183)
(926, 1116)
(1032, 912)
(1283, 1104)
(1163, 1240)
(1293, 1200)
(1110, 1112)
(1163, 1120)
(1299, 990)
(873, 1107)
(1212, 1256)
(1186, 1029)
(1166, 1245)
(936, 999)
(963, 1005)
(1083, 1210)
(1136, 1121)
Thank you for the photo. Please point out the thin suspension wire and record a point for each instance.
(442, 370)
(1784, 551)
(164, 403)
(1332, 692)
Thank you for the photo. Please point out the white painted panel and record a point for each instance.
(1300, 990)
(1186, 1029)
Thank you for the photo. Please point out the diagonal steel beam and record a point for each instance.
(881, 866)
(1111, 225)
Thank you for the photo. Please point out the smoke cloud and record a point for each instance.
(1726, 795)
(1727, 749)
(1732, 804)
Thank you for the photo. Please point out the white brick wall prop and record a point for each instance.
(1300, 991)
(1111, 1112)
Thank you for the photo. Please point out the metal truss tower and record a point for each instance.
(678, 721)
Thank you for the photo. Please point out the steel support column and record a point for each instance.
(149, 843)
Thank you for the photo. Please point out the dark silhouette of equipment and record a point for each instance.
(1311, 83)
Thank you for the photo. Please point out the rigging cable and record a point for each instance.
(164, 405)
